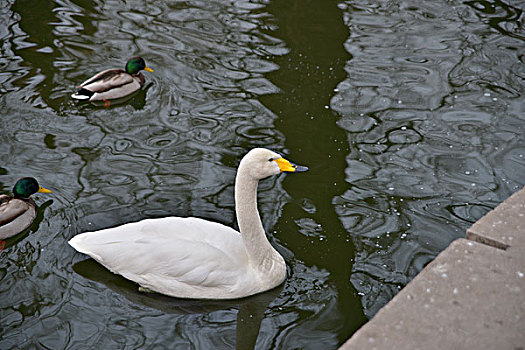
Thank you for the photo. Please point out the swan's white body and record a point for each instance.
(195, 258)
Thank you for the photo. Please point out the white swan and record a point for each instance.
(195, 258)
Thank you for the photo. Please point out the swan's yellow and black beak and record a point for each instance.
(287, 166)
(43, 190)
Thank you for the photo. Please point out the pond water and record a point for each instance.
(410, 116)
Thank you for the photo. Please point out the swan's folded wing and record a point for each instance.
(174, 256)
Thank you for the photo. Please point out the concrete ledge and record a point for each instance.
(504, 226)
(472, 296)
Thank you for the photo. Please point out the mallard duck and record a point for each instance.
(19, 211)
(195, 258)
(113, 83)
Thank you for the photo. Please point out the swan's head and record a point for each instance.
(260, 163)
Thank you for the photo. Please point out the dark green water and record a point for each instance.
(410, 116)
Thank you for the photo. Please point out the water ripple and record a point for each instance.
(429, 138)
(432, 120)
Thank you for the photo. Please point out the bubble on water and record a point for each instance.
(487, 94)
(520, 274)
(467, 172)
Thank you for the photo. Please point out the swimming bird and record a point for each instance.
(17, 212)
(195, 258)
(112, 84)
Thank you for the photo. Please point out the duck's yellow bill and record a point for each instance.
(148, 69)
(43, 190)
(287, 166)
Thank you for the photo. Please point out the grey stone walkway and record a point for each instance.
(472, 296)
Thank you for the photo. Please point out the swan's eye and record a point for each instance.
(271, 160)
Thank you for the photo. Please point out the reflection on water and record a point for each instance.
(409, 116)
(249, 311)
(434, 112)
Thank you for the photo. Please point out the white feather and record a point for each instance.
(79, 97)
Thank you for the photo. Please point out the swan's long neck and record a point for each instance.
(257, 246)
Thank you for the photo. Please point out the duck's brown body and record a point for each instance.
(109, 85)
(112, 84)
(16, 215)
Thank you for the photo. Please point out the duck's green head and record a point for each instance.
(136, 64)
(27, 186)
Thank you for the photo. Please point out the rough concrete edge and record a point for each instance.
(480, 236)
(473, 236)
(470, 235)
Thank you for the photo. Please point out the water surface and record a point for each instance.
(409, 116)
